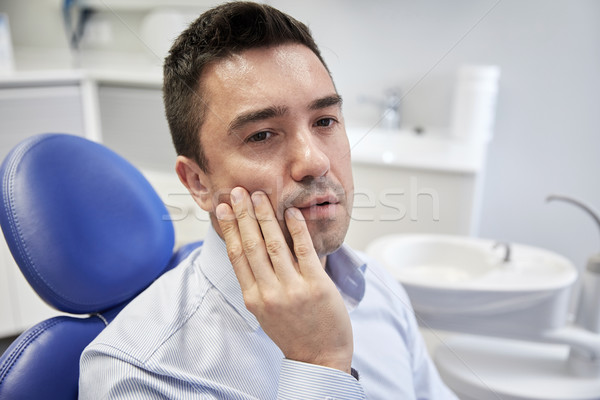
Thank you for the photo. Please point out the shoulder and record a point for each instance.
(155, 314)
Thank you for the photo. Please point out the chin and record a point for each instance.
(324, 249)
(327, 239)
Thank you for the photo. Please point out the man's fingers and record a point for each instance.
(275, 243)
(304, 250)
(235, 251)
(252, 238)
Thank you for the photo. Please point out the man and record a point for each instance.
(273, 305)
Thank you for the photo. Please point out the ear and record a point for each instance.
(196, 181)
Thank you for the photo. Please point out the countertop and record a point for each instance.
(40, 67)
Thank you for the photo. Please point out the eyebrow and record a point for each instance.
(278, 111)
(327, 101)
(255, 116)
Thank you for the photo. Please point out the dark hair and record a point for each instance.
(218, 33)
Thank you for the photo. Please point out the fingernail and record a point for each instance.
(221, 211)
(294, 213)
(236, 195)
(257, 198)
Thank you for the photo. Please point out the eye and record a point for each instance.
(325, 122)
(259, 136)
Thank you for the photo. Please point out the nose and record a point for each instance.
(309, 159)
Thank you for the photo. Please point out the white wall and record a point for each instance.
(547, 135)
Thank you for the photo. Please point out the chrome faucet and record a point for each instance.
(391, 116)
(588, 310)
(591, 212)
(507, 253)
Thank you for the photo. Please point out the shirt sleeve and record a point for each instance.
(106, 375)
(302, 381)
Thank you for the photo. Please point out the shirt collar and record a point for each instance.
(217, 268)
(344, 267)
(346, 270)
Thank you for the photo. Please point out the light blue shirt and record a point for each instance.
(190, 336)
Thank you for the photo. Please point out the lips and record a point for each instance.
(319, 208)
(317, 201)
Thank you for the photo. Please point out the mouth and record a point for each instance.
(320, 201)
(319, 207)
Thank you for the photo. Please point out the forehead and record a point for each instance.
(283, 73)
(291, 59)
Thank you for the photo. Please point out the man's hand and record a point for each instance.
(293, 299)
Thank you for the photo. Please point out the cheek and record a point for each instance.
(342, 167)
(252, 176)
(269, 177)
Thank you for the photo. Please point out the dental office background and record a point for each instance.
(546, 135)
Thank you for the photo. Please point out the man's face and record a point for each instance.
(274, 123)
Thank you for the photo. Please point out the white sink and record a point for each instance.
(432, 150)
(463, 284)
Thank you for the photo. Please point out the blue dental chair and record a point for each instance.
(89, 233)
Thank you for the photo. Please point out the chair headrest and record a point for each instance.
(86, 228)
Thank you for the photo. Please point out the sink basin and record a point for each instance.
(463, 284)
(433, 150)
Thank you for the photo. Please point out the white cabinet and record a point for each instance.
(29, 108)
(134, 125)
(8, 306)
(391, 200)
(20, 306)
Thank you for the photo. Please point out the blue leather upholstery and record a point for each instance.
(89, 233)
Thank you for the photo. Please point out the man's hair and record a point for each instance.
(223, 31)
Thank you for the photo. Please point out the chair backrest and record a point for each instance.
(89, 233)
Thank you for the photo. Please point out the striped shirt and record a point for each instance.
(190, 336)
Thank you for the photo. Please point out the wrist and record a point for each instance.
(317, 382)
